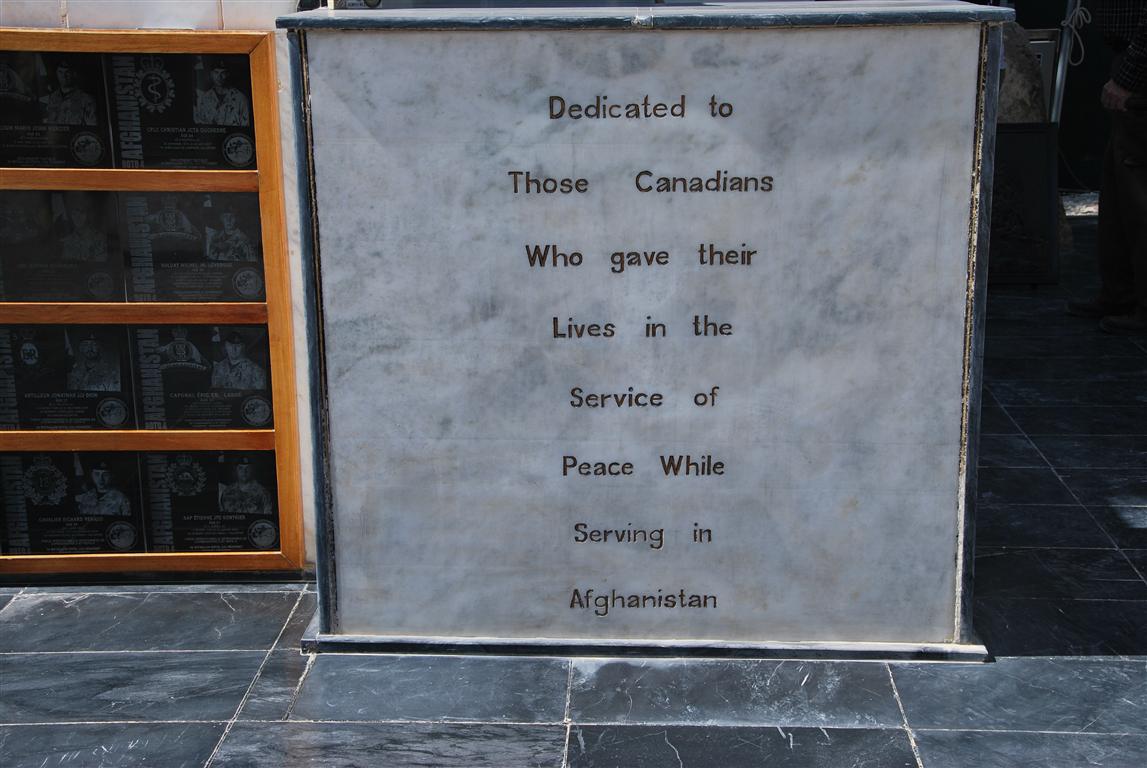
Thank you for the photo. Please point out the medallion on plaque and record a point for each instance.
(60, 246)
(65, 377)
(71, 503)
(52, 111)
(182, 111)
(203, 377)
(193, 246)
(211, 502)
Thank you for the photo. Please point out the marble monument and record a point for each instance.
(649, 326)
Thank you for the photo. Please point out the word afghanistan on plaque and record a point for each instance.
(62, 246)
(193, 246)
(167, 110)
(203, 377)
(211, 502)
(53, 110)
(65, 377)
(71, 503)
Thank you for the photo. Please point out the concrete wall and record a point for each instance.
(209, 15)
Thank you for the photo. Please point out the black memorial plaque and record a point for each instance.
(203, 377)
(60, 246)
(71, 503)
(211, 502)
(181, 110)
(65, 377)
(193, 246)
(53, 111)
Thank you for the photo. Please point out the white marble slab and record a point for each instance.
(839, 410)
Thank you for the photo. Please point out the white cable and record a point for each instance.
(1076, 21)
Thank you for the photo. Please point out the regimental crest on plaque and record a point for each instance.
(112, 412)
(248, 283)
(238, 150)
(44, 483)
(121, 536)
(154, 85)
(87, 149)
(256, 411)
(262, 534)
(100, 285)
(180, 352)
(29, 352)
(185, 477)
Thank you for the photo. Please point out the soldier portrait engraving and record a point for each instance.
(236, 370)
(94, 369)
(220, 103)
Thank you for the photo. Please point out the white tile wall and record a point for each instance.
(144, 14)
(255, 14)
(31, 13)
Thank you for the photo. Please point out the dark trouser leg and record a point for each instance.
(1117, 279)
(1123, 211)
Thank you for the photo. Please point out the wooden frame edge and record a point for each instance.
(280, 314)
(276, 313)
(147, 561)
(12, 441)
(132, 313)
(128, 40)
(129, 180)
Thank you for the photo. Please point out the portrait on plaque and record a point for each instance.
(61, 246)
(65, 377)
(71, 503)
(211, 502)
(203, 377)
(53, 110)
(193, 246)
(182, 111)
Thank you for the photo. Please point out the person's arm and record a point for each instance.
(1131, 77)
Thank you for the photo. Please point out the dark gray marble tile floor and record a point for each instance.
(210, 676)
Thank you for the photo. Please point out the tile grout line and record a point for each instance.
(904, 718)
(9, 603)
(566, 715)
(1120, 734)
(1058, 476)
(1084, 507)
(87, 592)
(133, 650)
(298, 688)
(608, 724)
(254, 681)
(514, 723)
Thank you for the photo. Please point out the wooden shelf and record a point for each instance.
(138, 440)
(157, 561)
(134, 313)
(129, 41)
(129, 180)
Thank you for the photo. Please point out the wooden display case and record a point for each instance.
(273, 312)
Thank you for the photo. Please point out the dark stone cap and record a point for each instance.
(700, 15)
